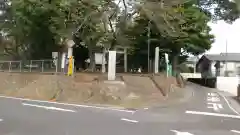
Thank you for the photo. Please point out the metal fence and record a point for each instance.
(29, 66)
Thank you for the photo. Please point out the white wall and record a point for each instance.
(228, 84)
(231, 67)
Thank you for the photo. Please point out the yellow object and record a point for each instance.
(70, 66)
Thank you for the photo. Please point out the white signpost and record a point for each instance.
(55, 60)
(111, 65)
(54, 55)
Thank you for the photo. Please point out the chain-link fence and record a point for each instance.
(47, 66)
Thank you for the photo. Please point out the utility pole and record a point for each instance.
(226, 46)
(226, 67)
(149, 23)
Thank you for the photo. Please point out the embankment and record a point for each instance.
(128, 90)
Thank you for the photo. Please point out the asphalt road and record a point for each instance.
(205, 113)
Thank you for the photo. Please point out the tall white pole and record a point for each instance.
(167, 66)
(226, 67)
(156, 64)
(226, 46)
(63, 60)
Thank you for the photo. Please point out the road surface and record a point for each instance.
(205, 113)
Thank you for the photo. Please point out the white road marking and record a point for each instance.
(213, 99)
(181, 133)
(229, 104)
(49, 108)
(215, 106)
(67, 104)
(128, 120)
(213, 114)
(212, 94)
(1, 119)
(235, 131)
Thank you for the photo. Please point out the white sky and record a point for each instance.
(225, 34)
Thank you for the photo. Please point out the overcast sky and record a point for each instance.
(224, 32)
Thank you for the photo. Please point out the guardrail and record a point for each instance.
(28, 66)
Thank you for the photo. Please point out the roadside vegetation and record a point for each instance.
(32, 29)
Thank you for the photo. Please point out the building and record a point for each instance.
(224, 64)
(191, 62)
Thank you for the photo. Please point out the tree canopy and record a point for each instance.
(32, 29)
(193, 33)
(221, 9)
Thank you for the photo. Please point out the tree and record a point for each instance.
(195, 35)
(221, 9)
(161, 14)
(34, 26)
(197, 38)
(27, 22)
(89, 23)
(10, 35)
(238, 4)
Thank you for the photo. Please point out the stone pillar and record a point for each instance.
(112, 65)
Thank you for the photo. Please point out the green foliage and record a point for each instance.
(197, 37)
(28, 25)
(193, 34)
(35, 28)
(227, 10)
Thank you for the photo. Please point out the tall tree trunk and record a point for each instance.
(92, 64)
(175, 63)
(113, 44)
(175, 56)
(103, 60)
